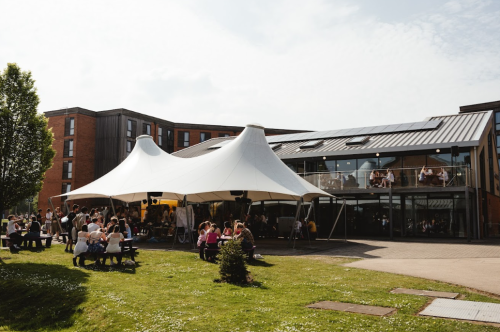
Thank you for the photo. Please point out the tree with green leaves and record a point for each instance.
(25, 142)
(232, 265)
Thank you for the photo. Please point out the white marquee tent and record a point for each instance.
(246, 164)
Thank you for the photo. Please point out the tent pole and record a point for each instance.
(188, 221)
(297, 216)
(243, 206)
(112, 206)
(345, 222)
(306, 219)
(67, 206)
(55, 214)
(336, 220)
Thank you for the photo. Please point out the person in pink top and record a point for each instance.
(227, 229)
(202, 237)
(212, 236)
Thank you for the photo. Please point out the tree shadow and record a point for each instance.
(259, 262)
(40, 296)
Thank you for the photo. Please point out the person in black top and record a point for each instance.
(69, 227)
(39, 216)
(34, 228)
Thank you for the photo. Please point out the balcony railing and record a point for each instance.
(449, 176)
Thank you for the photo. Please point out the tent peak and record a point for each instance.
(255, 125)
(144, 136)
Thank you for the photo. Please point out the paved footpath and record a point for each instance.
(475, 265)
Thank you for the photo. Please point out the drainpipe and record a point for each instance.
(477, 191)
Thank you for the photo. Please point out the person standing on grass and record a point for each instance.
(39, 216)
(70, 227)
(48, 222)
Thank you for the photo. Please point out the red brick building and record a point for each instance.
(89, 144)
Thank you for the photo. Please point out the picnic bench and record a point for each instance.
(127, 250)
(37, 239)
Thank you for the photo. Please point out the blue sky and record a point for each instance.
(314, 64)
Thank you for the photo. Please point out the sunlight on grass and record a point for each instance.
(175, 291)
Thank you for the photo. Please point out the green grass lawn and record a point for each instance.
(175, 291)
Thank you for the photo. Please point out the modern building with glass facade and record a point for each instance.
(459, 199)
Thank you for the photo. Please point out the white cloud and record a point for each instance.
(290, 64)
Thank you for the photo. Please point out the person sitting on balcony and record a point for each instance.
(373, 180)
(339, 180)
(421, 177)
(388, 180)
(443, 175)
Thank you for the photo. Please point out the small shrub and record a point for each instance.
(232, 264)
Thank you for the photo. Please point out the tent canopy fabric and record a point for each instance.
(245, 164)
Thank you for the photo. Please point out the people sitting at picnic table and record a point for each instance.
(246, 237)
(33, 228)
(227, 229)
(211, 239)
(202, 237)
(81, 245)
(12, 227)
(114, 240)
(125, 229)
(113, 221)
(388, 180)
(94, 241)
(93, 226)
(33, 231)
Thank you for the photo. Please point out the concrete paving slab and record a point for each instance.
(478, 273)
(353, 308)
(419, 292)
(466, 310)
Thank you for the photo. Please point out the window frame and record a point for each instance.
(68, 151)
(67, 170)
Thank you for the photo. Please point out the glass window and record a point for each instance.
(348, 170)
(205, 136)
(69, 127)
(223, 135)
(160, 136)
(497, 117)
(389, 162)
(146, 129)
(67, 170)
(292, 166)
(66, 188)
(416, 161)
(183, 139)
(130, 146)
(439, 159)
(131, 128)
(68, 148)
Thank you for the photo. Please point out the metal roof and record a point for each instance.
(464, 130)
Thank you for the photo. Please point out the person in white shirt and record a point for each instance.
(48, 222)
(93, 226)
(12, 227)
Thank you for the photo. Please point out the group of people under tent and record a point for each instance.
(209, 234)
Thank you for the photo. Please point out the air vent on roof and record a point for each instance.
(219, 145)
(312, 144)
(275, 146)
(359, 140)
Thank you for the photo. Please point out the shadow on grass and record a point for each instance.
(40, 296)
(261, 263)
(108, 268)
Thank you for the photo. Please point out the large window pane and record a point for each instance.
(348, 169)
